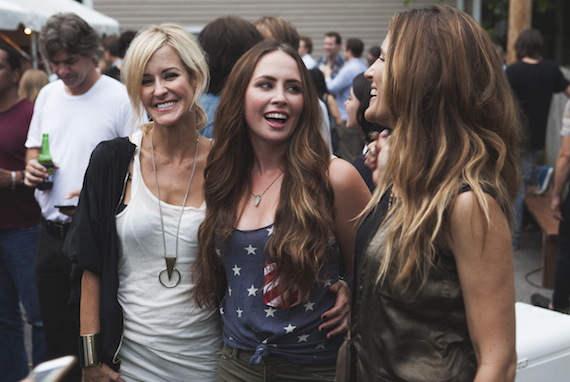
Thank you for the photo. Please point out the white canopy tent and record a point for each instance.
(33, 14)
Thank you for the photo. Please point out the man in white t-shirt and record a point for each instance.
(78, 111)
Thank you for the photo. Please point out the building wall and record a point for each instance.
(364, 19)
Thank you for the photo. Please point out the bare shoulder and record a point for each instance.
(342, 173)
(471, 231)
(466, 207)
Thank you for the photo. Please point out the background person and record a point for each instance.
(433, 280)
(141, 205)
(277, 28)
(560, 208)
(279, 210)
(332, 44)
(350, 143)
(32, 81)
(356, 105)
(78, 111)
(224, 41)
(305, 50)
(534, 80)
(19, 219)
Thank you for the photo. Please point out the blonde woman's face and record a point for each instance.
(377, 110)
(167, 90)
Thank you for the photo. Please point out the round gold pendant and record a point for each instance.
(169, 281)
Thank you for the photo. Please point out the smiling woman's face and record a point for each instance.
(377, 110)
(274, 98)
(167, 90)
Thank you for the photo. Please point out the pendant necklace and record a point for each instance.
(170, 277)
(257, 198)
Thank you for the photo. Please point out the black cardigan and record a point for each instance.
(92, 240)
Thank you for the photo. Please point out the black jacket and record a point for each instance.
(92, 240)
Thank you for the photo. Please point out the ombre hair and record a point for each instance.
(303, 220)
(455, 125)
(141, 49)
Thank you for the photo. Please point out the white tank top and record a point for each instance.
(166, 336)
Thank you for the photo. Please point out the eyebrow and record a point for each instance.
(165, 70)
(271, 78)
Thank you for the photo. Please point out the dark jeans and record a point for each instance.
(18, 285)
(53, 271)
(561, 295)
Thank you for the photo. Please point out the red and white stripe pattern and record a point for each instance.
(271, 296)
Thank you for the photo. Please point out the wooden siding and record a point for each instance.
(364, 19)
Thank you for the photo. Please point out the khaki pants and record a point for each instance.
(234, 366)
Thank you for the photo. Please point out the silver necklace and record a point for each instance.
(257, 198)
(170, 277)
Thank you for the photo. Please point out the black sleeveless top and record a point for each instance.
(408, 335)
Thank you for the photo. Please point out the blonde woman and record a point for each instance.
(134, 234)
(32, 81)
(434, 283)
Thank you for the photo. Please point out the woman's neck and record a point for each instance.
(174, 141)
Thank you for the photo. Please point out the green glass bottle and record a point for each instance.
(46, 160)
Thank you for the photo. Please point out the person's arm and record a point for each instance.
(89, 324)
(333, 109)
(483, 254)
(6, 180)
(561, 175)
(350, 197)
(342, 81)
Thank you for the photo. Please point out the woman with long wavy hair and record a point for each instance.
(434, 282)
(279, 211)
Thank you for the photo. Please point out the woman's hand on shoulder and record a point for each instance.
(336, 318)
(100, 373)
(483, 254)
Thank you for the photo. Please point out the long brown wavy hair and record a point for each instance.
(303, 220)
(455, 124)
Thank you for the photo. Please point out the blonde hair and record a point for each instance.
(145, 44)
(32, 81)
(455, 125)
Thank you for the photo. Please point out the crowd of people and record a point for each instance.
(228, 208)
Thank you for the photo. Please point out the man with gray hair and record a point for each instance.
(77, 112)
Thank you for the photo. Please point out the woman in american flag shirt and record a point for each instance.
(280, 213)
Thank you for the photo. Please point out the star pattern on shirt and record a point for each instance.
(303, 337)
(218, 252)
(328, 282)
(239, 311)
(309, 305)
(252, 291)
(250, 250)
(230, 291)
(270, 231)
(289, 328)
(321, 345)
(222, 310)
(237, 270)
(270, 312)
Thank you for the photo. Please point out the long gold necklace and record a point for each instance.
(170, 271)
